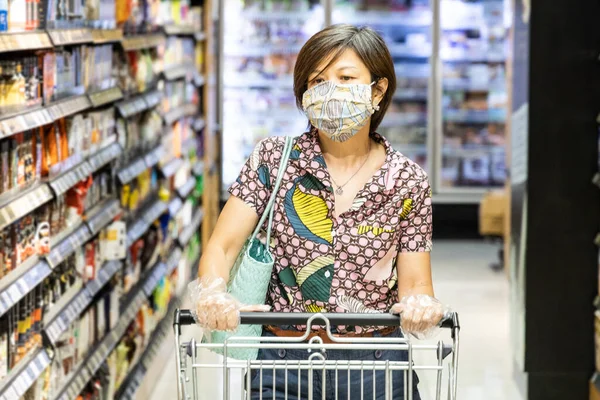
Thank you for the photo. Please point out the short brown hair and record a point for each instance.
(335, 39)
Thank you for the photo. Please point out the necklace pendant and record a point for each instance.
(339, 191)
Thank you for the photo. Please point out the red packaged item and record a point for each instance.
(76, 195)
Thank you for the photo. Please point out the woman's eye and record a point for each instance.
(319, 80)
(346, 78)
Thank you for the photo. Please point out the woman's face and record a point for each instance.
(348, 68)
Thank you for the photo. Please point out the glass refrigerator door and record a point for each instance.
(405, 25)
(474, 95)
(260, 45)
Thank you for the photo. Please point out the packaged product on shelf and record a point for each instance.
(99, 67)
(26, 238)
(178, 51)
(19, 84)
(137, 72)
(4, 336)
(69, 72)
(75, 200)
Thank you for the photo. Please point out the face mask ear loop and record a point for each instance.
(375, 106)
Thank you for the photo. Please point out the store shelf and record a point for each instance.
(473, 151)
(80, 299)
(173, 260)
(21, 378)
(103, 276)
(175, 205)
(461, 196)
(475, 116)
(68, 246)
(61, 184)
(133, 43)
(198, 168)
(105, 97)
(410, 95)
(409, 148)
(75, 300)
(186, 189)
(102, 215)
(467, 85)
(200, 36)
(147, 218)
(104, 156)
(131, 107)
(21, 281)
(88, 367)
(180, 30)
(170, 168)
(240, 81)
(403, 119)
(24, 41)
(414, 19)
(461, 57)
(273, 15)
(199, 124)
(199, 80)
(179, 72)
(262, 50)
(70, 106)
(154, 156)
(132, 171)
(102, 36)
(404, 51)
(136, 374)
(158, 272)
(36, 117)
(22, 203)
(69, 37)
(27, 120)
(186, 110)
(153, 98)
(193, 227)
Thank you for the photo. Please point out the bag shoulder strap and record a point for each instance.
(287, 149)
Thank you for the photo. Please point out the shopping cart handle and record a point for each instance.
(335, 319)
(185, 317)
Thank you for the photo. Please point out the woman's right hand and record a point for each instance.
(215, 308)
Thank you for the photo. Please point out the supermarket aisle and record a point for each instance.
(464, 281)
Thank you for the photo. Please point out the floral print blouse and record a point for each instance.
(328, 263)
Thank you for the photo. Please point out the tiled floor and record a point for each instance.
(464, 281)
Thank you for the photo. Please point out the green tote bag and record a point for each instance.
(250, 276)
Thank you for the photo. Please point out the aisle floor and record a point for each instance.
(463, 280)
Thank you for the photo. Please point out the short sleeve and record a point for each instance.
(253, 185)
(416, 228)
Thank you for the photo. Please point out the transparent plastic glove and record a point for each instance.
(214, 308)
(420, 315)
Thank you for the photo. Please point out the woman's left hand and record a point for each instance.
(420, 315)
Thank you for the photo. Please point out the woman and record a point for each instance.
(352, 213)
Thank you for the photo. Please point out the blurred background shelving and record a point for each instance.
(450, 53)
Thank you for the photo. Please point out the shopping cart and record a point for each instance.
(316, 362)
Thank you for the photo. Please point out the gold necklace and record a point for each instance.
(340, 188)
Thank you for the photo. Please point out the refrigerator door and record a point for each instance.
(260, 43)
(473, 44)
(406, 27)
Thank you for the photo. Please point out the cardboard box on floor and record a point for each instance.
(492, 211)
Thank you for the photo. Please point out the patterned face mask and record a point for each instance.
(339, 110)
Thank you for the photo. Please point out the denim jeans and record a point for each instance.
(370, 384)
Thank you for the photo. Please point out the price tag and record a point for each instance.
(14, 293)
(19, 386)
